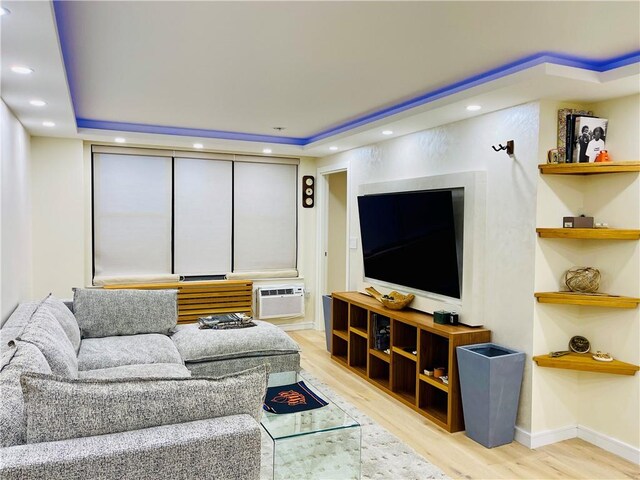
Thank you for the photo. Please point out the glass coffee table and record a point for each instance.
(319, 443)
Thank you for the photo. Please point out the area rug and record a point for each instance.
(383, 456)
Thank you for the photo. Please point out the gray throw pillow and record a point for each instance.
(19, 358)
(58, 408)
(44, 331)
(65, 318)
(108, 313)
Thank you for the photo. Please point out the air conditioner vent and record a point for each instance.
(279, 302)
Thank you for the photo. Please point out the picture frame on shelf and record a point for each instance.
(589, 137)
(563, 113)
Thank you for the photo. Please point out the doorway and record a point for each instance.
(333, 235)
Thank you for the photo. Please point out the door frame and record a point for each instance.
(322, 194)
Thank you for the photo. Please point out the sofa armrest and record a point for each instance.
(224, 448)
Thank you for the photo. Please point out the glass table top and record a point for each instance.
(324, 419)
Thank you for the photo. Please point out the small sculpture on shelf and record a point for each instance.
(394, 300)
(582, 279)
(602, 357)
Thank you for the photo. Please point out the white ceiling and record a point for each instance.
(308, 66)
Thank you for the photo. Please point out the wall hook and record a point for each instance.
(509, 147)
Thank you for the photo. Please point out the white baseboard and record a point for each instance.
(547, 437)
(610, 444)
(296, 326)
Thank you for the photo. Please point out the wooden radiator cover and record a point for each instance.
(197, 299)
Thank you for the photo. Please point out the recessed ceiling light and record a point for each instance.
(48, 124)
(387, 132)
(333, 148)
(473, 108)
(37, 103)
(4, 11)
(266, 150)
(21, 69)
(120, 140)
(198, 145)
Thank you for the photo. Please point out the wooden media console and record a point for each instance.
(401, 373)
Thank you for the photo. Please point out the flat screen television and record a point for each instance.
(414, 239)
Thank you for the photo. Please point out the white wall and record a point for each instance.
(15, 227)
(602, 403)
(58, 216)
(509, 241)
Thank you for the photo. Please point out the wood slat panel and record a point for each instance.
(197, 299)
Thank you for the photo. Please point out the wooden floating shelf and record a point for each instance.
(568, 298)
(585, 363)
(589, 233)
(588, 168)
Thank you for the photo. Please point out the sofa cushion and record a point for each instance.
(288, 362)
(107, 352)
(20, 357)
(106, 313)
(15, 324)
(155, 370)
(59, 408)
(44, 331)
(65, 318)
(201, 345)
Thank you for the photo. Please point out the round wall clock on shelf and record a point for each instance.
(579, 344)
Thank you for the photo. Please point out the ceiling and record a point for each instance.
(331, 73)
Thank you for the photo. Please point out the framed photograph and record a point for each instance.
(589, 136)
(562, 130)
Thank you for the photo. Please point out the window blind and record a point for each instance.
(202, 216)
(131, 214)
(264, 216)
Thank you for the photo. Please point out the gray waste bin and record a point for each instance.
(326, 308)
(490, 379)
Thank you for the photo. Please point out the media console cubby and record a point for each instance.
(400, 372)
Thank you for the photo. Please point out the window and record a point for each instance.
(132, 214)
(157, 212)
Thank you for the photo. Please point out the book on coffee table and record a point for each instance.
(292, 398)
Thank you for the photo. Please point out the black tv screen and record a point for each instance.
(414, 239)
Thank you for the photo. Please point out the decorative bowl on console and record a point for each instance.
(393, 300)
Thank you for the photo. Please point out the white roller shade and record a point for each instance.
(264, 216)
(203, 213)
(131, 214)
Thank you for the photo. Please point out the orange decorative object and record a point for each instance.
(290, 397)
(603, 156)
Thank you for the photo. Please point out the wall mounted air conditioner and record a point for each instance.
(279, 301)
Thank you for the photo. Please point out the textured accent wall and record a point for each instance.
(507, 300)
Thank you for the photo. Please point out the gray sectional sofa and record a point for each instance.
(115, 389)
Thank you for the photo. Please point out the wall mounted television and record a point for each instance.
(414, 239)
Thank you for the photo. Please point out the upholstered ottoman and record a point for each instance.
(218, 352)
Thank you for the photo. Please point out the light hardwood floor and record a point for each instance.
(457, 455)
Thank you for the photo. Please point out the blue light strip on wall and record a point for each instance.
(601, 65)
